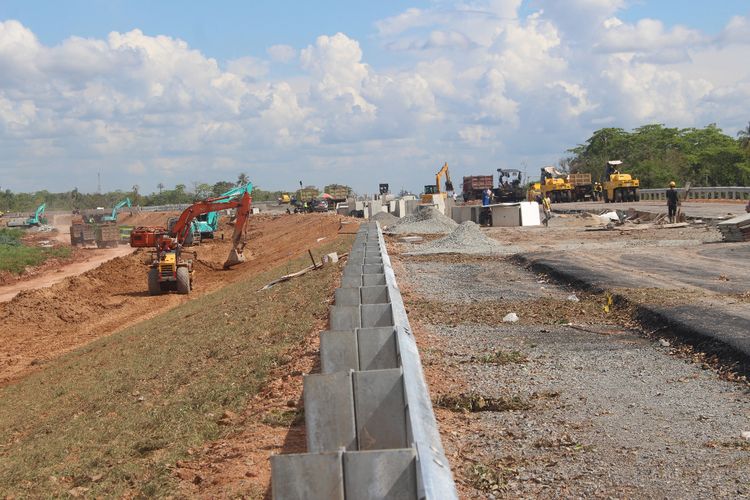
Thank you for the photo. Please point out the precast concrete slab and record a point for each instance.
(374, 295)
(373, 279)
(307, 476)
(329, 412)
(338, 351)
(373, 315)
(349, 296)
(373, 259)
(353, 280)
(345, 318)
(373, 269)
(377, 348)
(374, 475)
(380, 409)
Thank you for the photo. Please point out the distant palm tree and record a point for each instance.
(160, 186)
(242, 179)
(744, 137)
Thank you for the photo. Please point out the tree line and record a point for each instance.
(656, 154)
(181, 193)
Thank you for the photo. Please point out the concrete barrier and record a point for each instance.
(371, 430)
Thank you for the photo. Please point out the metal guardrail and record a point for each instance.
(701, 193)
(371, 431)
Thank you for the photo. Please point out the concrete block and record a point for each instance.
(349, 296)
(374, 475)
(377, 348)
(530, 213)
(329, 412)
(374, 295)
(373, 279)
(506, 215)
(345, 318)
(308, 476)
(380, 409)
(352, 268)
(373, 258)
(355, 280)
(338, 351)
(373, 269)
(376, 315)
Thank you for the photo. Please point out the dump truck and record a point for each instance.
(583, 188)
(475, 185)
(619, 187)
(338, 192)
(81, 233)
(308, 193)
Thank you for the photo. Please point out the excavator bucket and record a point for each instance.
(234, 258)
(448, 186)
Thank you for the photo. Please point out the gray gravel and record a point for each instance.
(427, 220)
(386, 219)
(610, 415)
(467, 238)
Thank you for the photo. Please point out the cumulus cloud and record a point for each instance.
(472, 80)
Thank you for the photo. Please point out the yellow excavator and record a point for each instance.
(433, 190)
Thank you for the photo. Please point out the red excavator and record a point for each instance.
(169, 270)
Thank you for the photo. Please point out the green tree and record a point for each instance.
(744, 137)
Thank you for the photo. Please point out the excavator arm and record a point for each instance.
(448, 183)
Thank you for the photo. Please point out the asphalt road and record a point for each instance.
(705, 209)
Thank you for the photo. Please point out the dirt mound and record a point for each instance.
(40, 324)
(145, 218)
(427, 220)
(467, 238)
(386, 219)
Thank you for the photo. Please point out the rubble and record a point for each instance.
(736, 229)
(427, 221)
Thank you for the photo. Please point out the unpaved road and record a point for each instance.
(96, 257)
(596, 409)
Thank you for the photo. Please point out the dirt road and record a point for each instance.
(40, 324)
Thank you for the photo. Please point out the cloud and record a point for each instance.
(281, 53)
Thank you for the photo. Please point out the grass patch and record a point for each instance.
(472, 402)
(15, 257)
(113, 417)
(284, 418)
(501, 357)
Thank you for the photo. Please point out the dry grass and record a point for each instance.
(472, 402)
(112, 418)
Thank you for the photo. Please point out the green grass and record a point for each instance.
(114, 416)
(15, 257)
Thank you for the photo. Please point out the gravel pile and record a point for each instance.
(466, 238)
(427, 221)
(386, 219)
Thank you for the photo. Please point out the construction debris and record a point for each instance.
(737, 229)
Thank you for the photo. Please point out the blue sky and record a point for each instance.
(335, 91)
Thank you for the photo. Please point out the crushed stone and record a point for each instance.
(427, 220)
(467, 238)
(386, 219)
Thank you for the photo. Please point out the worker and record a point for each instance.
(547, 206)
(672, 201)
(486, 197)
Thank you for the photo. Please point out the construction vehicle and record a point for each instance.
(583, 188)
(35, 220)
(284, 199)
(81, 233)
(509, 188)
(206, 224)
(475, 185)
(433, 190)
(618, 187)
(113, 216)
(170, 269)
(106, 235)
(337, 192)
(554, 184)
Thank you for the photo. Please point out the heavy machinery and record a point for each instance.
(433, 190)
(534, 192)
(618, 187)
(284, 199)
(170, 269)
(555, 184)
(35, 220)
(475, 185)
(583, 188)
(206, 224)
(113, 217)
(509, 188)
(81, 233)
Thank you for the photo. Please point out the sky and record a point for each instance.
(356, 93)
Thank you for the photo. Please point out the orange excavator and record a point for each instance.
(169, 269)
